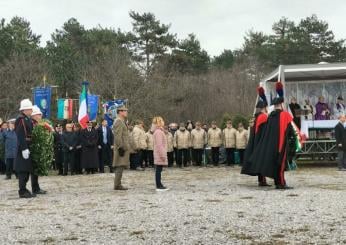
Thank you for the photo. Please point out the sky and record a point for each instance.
(218, 24)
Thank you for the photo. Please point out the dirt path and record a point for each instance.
(204, 206)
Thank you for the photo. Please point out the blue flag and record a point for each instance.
(93, 105)
(42, 98)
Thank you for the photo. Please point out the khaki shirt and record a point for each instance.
(198, 138)
(241, 139)
(150, 141)
(140, 138)
(182, 139)
(170, 142)
(214, 137)
(229, 137)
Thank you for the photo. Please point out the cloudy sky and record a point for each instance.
(218, 24)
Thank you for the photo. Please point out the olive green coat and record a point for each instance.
(121, 140)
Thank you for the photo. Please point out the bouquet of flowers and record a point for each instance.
(41, 148)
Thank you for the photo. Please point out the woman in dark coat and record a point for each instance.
(89, 156)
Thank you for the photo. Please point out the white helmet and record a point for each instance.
(25, 104)
(36, 111)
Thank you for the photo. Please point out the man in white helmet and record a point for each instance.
(36, 117)
(23, 165)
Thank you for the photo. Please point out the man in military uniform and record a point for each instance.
(59, 149)
(121, 158)
(23, 165)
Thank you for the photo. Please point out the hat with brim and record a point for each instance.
(122, 108)
(36, 111)
(25, 104)
(277, 101)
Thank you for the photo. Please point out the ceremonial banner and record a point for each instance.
(65, 109)
(42, 98)
(110, 109)
(83, 116)
(93, 105)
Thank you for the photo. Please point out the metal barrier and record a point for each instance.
(321, 149)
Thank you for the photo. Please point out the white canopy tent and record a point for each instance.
(309, 81)
(306, 73)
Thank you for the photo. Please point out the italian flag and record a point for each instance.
(83, 117)
(65, 107)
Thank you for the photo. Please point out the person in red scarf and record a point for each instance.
(277, 145)
(256, 133)
(272, 154)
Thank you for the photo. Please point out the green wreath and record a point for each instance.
(41, 148)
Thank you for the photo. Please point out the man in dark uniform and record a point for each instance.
(271, 156)
(78, 151)
(105, 136)
(23, 165)
(89, 157)
(256, 133)
(70, 143)
(59, 148)
(36, 117)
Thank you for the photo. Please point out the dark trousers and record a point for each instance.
(77, 164)
(140, 159)
(342, 159)
(149, 158)
(69, 162)
(133, 160)
(215, 151)
(182, 157)
(230, 156)
(34, 183)
(158, 176)
(241, 156)
(262, 179)
(105, 154)
(170, 157)
(198, 155)
(59, 160)
(23, 178)
(9, 167)
(2, 166)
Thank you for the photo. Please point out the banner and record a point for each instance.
(42, 98)
(83, 116)
(110, 109)
(65, 109)
(93, 106)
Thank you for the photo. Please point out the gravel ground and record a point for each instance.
(204, 206)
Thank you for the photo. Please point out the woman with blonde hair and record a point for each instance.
(160, 150)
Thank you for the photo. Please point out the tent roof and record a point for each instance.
(308, 72)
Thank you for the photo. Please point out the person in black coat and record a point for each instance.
(294, 106)
(89, 141)
(59, 148)
(256, 133)
(271, 155)
(78, 151)
(70, 144)
(340, 136)
(23, 165)
(105, 145)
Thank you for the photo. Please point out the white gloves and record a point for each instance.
(26, 154)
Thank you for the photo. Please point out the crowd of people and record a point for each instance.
(124, 144)
(321, 111)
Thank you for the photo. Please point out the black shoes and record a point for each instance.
(284, 187)
(263, 184)
(27, 194)
(39, 192)
(120, 188)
